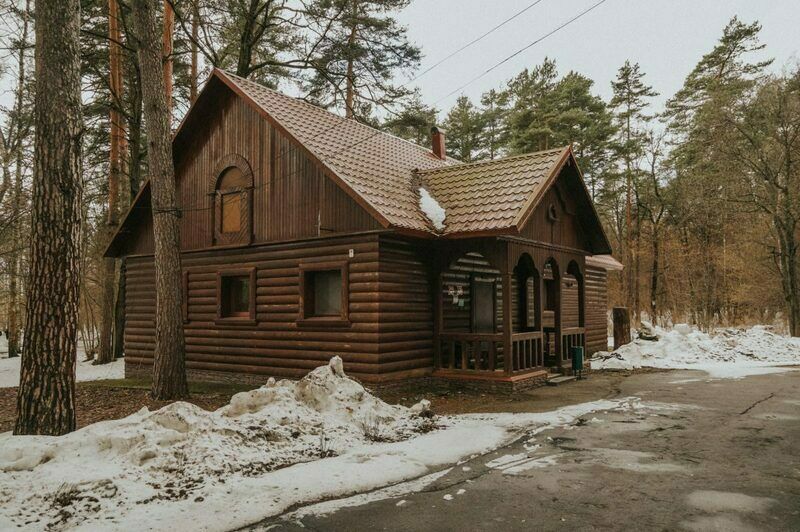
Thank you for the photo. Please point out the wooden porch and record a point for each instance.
(506, 309)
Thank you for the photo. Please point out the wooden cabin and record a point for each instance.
(304, 234)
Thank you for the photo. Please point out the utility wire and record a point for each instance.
(524, 48)
(477, 39)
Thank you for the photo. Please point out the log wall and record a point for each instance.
(390, 311)
(596, 309)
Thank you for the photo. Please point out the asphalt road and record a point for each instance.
(727, 459)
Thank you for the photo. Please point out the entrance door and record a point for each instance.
(484, 305)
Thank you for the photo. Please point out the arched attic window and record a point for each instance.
(233, 204)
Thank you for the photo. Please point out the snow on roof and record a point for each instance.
(432, 209)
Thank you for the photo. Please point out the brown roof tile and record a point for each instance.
(385, 172)
(490, 195)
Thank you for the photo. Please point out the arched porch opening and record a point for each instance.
(471, 314)
(551, 311)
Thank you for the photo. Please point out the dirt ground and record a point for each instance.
(723, 457)
(100, 400)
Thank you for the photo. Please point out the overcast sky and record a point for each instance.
(666, 37)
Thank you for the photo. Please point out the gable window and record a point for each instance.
(233, 202)
(324, 293)
(236, 296)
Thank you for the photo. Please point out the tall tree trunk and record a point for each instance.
(169, 370)
(166, 37)
(105, 348)
(350, 90)
(119, 314)
(193, 76)
(46, 396)
(16, 199)
(654, 273)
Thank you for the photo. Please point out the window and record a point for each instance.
(232, 205)
(236, 297)
(323, 289)
(231, 212)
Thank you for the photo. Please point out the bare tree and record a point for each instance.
(768, 150)
(169, 371)
(46, 396)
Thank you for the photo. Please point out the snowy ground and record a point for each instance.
(9, 368)
(283, 444)
(726, 353)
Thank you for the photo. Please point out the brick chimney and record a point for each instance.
(437, 137)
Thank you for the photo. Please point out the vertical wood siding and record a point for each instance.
(292, 197)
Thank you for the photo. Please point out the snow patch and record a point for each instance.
(84, 371)
(723, 354)
(286, 444)
(432, 209)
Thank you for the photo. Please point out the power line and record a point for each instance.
(477, 39)
(526, 47)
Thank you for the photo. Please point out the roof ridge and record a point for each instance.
(319, 108)
(491, 161)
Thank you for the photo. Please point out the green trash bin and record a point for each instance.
(577, 360)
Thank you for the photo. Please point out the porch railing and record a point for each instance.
(527, 350)
(484, 352)
(571, 337)
(471, 351)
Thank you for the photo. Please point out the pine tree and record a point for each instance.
(360, 56)
(46, 396)
(463, 129)
(629, 103)
(695, 118)
(494, 133)
(413, 122)
(169, 366)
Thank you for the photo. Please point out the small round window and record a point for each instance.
(552, 213)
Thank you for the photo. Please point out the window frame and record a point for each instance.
(250, 319)
(244, 236)
(305, 316)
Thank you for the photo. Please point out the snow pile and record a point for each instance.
(85, 371)
(726, 353)
(284, 444)
(432, 209)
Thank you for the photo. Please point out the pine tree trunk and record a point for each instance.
(16, 198)
(105, 348)
(193, 74)
(350, 89)
(654, 273)
(119, 314)
(46, 396)
(169, 370)
(166, 44)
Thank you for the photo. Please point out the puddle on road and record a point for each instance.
(721, 523)
(722, 501)
(627, 460)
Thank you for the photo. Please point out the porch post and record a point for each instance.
(508, 355)
(557, 324)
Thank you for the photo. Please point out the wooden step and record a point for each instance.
(560, 379)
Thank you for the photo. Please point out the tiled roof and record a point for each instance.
(489, 195)
(385, 172)
(379, 167)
